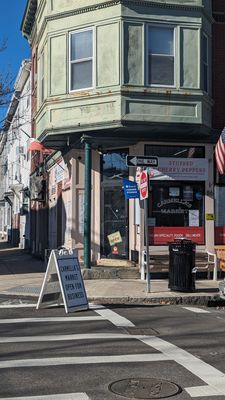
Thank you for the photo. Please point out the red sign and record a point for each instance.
(164, 235)
(220, 235)
(144, 185)
(115, 250)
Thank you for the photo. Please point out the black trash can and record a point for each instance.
(181, 263)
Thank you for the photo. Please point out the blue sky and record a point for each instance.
(11, 14)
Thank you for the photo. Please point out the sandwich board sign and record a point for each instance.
(63, 282)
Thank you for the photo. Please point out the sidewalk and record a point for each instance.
(22, 277)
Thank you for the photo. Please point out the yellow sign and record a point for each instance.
(209, 217)
(114, 238)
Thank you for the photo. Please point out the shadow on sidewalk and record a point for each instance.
(14, 260)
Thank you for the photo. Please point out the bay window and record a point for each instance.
(81, 59)
(160, 57)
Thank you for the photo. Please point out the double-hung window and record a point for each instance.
(81, 59)
(161, 56)
(205, 62)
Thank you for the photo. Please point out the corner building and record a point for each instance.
(125, 77)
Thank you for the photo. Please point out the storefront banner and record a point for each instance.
(185, 169)
(164, 235)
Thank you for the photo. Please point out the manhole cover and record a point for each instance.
(144, 388)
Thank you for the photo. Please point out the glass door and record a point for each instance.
(114, 218)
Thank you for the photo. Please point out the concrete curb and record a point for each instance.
(176, 300)
(201, 299)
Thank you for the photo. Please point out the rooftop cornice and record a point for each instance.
(28, 17)
(143, 3)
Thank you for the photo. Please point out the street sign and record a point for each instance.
(144, 185)
(130, 189)
(63, 281)
(141, 161)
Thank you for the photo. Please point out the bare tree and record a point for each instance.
(6, 81)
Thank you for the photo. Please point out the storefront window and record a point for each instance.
(175, 151)
(177, 189)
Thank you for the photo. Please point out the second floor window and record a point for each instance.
(81, 60)
(160, 56)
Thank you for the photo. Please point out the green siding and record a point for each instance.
(190, 58)
(133, 54)
(108, 45)
(58, 65)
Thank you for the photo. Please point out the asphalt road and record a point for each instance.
(55, 356)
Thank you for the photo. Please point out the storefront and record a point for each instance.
(180, 199)
(177, 194)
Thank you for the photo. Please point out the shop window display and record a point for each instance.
(176, 207)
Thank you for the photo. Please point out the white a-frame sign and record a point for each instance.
(63, 282)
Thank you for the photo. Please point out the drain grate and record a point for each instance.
(144, 388)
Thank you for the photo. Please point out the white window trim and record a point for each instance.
(147, 58)
(206, 63)
(82, 59)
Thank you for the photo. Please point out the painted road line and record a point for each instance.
(21, 305)
(66, 396)
(45, 362)
(197, 310)
(214, 378)
(114, 318)
(203, 391)
(55, 338)
(31, 305)
(50, 319)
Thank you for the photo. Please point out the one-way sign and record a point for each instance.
(141, 161)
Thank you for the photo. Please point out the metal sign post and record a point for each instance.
(146, 245)
(144, 196)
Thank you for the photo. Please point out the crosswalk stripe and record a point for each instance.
(44, 362)
(197, 310)
(49, 319)
(114, 318)
(214, 378)
(55, 338)
(21, 305)
(64, 396)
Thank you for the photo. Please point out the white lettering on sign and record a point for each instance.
(174, 201)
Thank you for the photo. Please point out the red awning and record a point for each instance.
(37, 146)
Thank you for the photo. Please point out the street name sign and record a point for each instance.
(130, 189)
(141, 161)
(63, 281)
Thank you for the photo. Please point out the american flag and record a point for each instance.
(220, 153)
